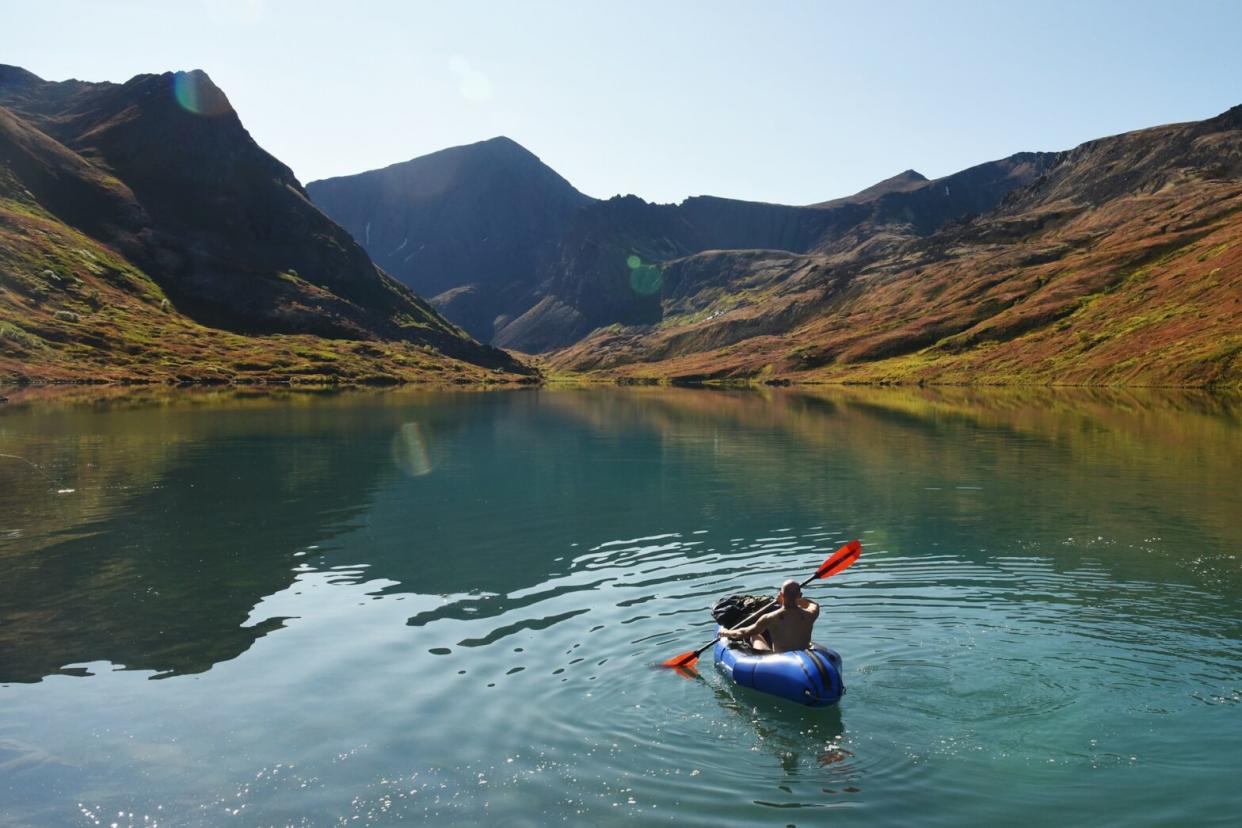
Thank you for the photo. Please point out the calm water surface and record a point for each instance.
(409, 606)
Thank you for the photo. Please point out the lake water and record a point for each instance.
(384, 608)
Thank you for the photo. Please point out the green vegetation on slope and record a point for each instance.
(1122, 265)
(74, 310)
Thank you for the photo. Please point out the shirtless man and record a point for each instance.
(789, 627)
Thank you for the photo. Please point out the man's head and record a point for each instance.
(791, 591)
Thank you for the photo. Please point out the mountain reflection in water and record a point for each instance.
(415, 606)
(185, 515)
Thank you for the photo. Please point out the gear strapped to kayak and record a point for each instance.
(733, 609)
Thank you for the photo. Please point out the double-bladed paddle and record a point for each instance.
(835, 563)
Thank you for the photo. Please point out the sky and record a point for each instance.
(782, 101)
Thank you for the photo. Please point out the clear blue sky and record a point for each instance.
(792, 102)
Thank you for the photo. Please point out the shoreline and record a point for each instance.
(581, 381)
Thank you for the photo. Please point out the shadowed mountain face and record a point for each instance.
(169, 533)
(508, 249)
(161, 171)
(466, 225)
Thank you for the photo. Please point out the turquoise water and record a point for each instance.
(412, 606)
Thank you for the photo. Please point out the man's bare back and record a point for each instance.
(789, 627)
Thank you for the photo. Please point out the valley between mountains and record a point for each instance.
(144, 236)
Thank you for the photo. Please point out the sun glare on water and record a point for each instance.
(409, 450)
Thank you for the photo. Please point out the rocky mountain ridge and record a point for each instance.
(590, 263)
(151, 192)
(1120, 264)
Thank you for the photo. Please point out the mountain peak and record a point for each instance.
(474, 216)
(194, 90)
(499, 147)
(17, 76)
(901, 182)
(1231, 117)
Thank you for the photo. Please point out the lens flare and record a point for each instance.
(645, 279)
(409, 450)
(196, 93)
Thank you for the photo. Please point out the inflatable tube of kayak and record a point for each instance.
(811, 677)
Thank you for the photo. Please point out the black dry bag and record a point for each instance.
(734, 609)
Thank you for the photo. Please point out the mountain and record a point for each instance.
(613, 263)
(1119, 263)
(465, 225)
(508, 249)
(145, 233)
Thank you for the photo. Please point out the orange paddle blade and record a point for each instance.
(685, 661)
(839, 560)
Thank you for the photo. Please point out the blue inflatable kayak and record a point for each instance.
(811, 677)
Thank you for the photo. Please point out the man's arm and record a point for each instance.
(754, 629)
(810, 606)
